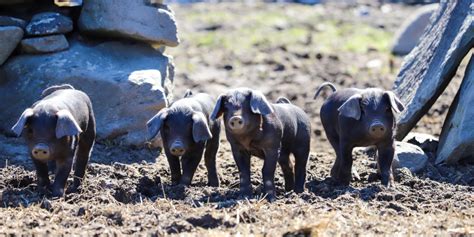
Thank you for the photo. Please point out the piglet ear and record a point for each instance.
(201, 130)
(66, 124)
(351, 108)
(259, 104)
(218, 108)
(20, 124)
(155, 123)
(396, 104)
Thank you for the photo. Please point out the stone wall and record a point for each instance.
(112, 50)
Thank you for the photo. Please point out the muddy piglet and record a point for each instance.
(269, 131)
(58, 128)
(360, 117)
(186, 131)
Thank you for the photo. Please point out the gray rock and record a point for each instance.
(10, 36)
(127, 83)
(45, 44)
(430, 66)
(12, 21)
(131, 19)
(13, 152)
(427, 142)
(457, 136)
(49, 23)
(412, 29)
(409, 156)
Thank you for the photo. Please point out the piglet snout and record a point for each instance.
(377, 129)
(177, 148)
(41, 151)
(236, 123)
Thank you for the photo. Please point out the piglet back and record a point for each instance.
(51, 89)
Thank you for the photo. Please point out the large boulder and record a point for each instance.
(45, 44)
(127, 83)
(412, 29)
(131, 19)
(457, 136)
(10, 36)
(409, 156)
(49, 23)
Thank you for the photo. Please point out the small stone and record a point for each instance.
(12, 21)
(81, 211)
(46, 44)
(409, 156)
(48, 23)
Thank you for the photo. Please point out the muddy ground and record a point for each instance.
(283, 50)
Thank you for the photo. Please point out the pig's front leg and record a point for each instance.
(386, 151)
(190, 162)
(175, 167)
(342, 170)
(212, 146)
(268, 172)
(42, 175)
(63, 168)
(242, 159)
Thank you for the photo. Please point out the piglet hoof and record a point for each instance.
(58, 193)
(185, 183)
(44, 189)
(299, 190)
(387, 181)
(246, 192)
(73, 189)
(271, 197)
(213, 183)
(340, 182)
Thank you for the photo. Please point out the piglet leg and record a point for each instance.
(175, 167)
(287, 168)
(190, 162)
(210, 159)
(386, 151)
(242, 159)
(342, 170)
(63, 168)
(42, 175)
(268, 171)
(82, 158)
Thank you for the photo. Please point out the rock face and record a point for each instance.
(429, 67)
(10, 36)
(457, 135)
(45, 44)
(130, 19)
(49, 23)
(12, 21)
(412, 29)
(409, 156)
(126, 82)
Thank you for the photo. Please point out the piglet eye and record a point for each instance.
(29, 131)
(388, 110)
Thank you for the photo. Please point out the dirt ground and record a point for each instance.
(283, 50)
